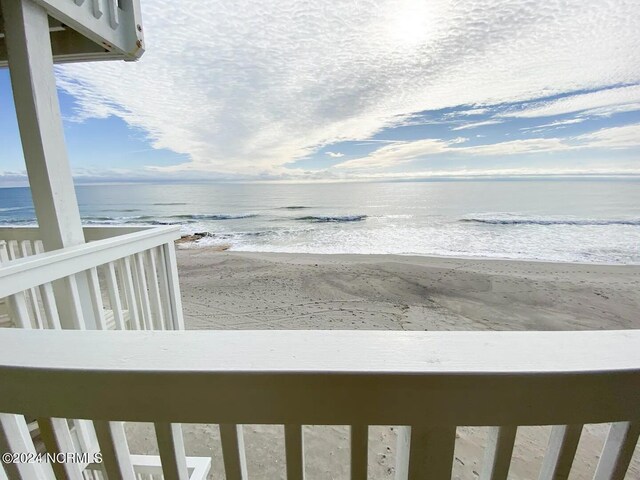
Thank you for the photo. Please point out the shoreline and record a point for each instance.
(192, 245)
(414, 256)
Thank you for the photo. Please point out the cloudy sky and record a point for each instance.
(359, 89)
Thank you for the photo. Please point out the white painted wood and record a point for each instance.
(74, 304)
(19, 310)
(53, 265)
(112, 8)
(171, 447)
(16, 304)
(233, 454)
(142, 290)
(199, 467)
(165, 296)
(430, 378)
(57, 439)
(150, 467)
(33, 297)
(115, 450)
(86, 435)
(431, 452)
(403, 445)
(38, 112)
(294, 451)
(96, 298)
(498, 451)
(124, 40)
(174, 286)
(15, 434)
(96, 9)
(359, 451)
(48, 297)
(114, 296)
(12, 247)
(561, 450)
(130, 294)
(618, 450)
(157, 313)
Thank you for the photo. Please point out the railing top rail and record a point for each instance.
(324, 377)
(46, 267)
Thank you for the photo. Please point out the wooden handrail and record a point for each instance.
(21, 274)
(324, 377)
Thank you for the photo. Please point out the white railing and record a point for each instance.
(126, 279)
(427, 382)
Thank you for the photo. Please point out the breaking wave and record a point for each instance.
(163, 220)
(549, 221)
(220, 216)
(332, 219)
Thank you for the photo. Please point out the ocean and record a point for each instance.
(590, 221)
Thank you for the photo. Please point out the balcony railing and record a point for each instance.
(427, 382)
(124, 278)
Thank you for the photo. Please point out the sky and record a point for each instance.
(280, 90)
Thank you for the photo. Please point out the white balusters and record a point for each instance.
(359, 451)
(294, 451)
(163, 279)
(498, 450)
(57, 438)
(25, 248)
(177, 320)
(74, 303)
(130, 293)
(233, 454)
(142, 290)
(115, 451)
(431, 452)
(171, 447)
(618, 450)
(114, 296)
(48, 297)
(96, 298)
(154, 291)
(15, 438)
(563, 443)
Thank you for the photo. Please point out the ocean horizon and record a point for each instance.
(586, 221)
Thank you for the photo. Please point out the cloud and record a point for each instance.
(473, 111)
(335, 154)
(558, 124)
(627, 136)
(404, 152)
(467, 126)
(240, 86)
(603, 102)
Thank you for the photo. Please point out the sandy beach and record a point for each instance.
(232, 290)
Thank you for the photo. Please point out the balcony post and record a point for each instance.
(30, 62)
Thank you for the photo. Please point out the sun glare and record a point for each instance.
(411, 24)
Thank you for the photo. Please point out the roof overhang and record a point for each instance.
(89, 30)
